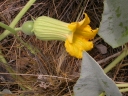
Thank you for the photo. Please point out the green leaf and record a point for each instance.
(114, 25)
(93, 80)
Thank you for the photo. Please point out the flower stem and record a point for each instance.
(7, 28)
(17, 18)
(18, 29)
(14, 32)
(122, 85)
(117, 60)
(2, 59)
(124, 90)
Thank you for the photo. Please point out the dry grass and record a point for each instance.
(52, 72)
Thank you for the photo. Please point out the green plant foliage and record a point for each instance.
(93, 80)
(114, 25)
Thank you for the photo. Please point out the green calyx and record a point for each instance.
(46, 28)
(27, 27)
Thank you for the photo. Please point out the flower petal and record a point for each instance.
(72, 26)
(87, 32)
(85, 21)
(78, 46)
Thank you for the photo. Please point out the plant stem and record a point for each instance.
(117, 60)
(124, 90)
(17, 18)
(102, 94)
(9, 69)
(8, 31)
(14, 32)
(122, 85)
(18, 29)
(2, 59)
(7, 28)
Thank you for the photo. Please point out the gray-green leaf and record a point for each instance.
(114, 25)
(93, 80)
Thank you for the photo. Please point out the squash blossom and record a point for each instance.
(77, 35)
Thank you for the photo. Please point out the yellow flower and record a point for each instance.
(77, 35)
(82, 34)
(78, 46)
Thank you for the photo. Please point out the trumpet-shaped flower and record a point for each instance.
(78, 46)
(77, 35)
(82, 34)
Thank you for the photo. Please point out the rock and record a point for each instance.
(102, 48)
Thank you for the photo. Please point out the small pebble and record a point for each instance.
(102, 49)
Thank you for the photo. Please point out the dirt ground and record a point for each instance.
(52, 72)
